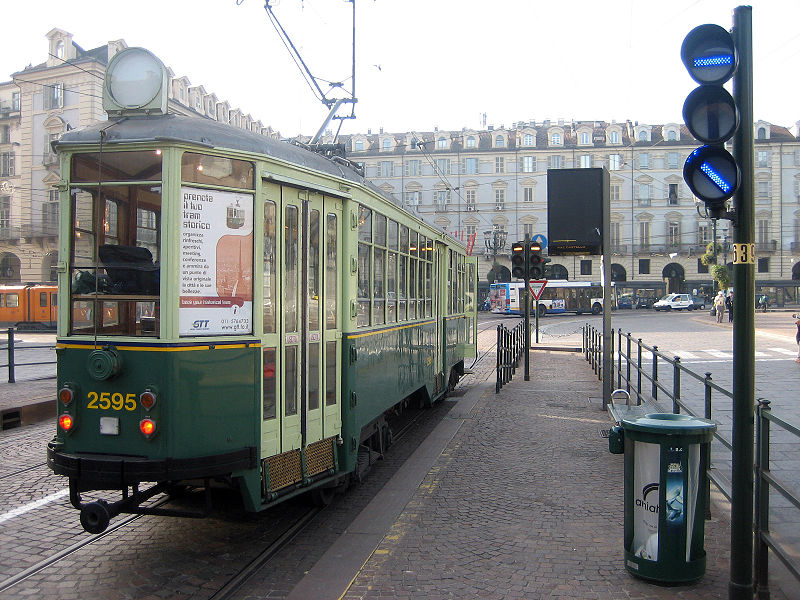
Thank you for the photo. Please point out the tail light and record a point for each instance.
(148, 399)
(66, 395)
(66, 422)
(147, 427)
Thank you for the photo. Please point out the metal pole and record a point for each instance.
(740, 585)
(528, 310)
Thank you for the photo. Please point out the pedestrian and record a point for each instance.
(719, 306)
(796, 318)
(729, 307)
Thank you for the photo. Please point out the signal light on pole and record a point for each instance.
(535, 261)
(711, 115)
(518, 266)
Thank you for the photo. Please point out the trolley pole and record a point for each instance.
(527, 324)
(740, 586)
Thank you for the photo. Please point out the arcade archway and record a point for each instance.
(674, 276)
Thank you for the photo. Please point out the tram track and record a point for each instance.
(21, 471)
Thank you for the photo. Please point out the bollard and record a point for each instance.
(11, 376)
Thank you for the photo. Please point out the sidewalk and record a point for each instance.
(27, 402)
(521, 499)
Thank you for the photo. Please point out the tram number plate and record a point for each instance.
(744, 254)
(109, 401)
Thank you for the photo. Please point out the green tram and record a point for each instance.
(238, 311)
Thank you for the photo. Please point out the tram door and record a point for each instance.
(310, 344)
(440, 255)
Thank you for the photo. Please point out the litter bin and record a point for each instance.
(665, 502)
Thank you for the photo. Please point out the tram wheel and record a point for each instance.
(322, 496)
(95, 517)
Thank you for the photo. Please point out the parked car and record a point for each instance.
(625, 302)
(644, 302)
(698, 303)
(674, 302)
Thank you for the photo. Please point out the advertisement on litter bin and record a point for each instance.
(646, 493)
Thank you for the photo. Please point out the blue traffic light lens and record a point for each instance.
(713, 61)
(714, 176)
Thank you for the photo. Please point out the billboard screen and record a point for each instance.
(575, 199)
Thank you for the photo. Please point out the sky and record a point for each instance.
(422, 64)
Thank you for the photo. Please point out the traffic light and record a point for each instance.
(518, 266)
(535, 261)
(711, 115)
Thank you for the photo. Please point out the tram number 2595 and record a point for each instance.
(115, 401)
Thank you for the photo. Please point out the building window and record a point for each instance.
(586, 161)
(644, 234)
(701, 268)
(53, 96)
(614, 192)
(555, 139)
(586, 139)
(470, 141)
(412, 198)
(763, 265)
(644, 160)
(644, 266)
(471, 166)
(586, 267)
(615, 162)
(359, 145)
(500, 142)
(673, 234)
(528, 164)
(527, 194)
(762, 133)
(672, 194)
(441, 198)
(644, 194)
(615, 234)
(703, 234)
(672, 160)
(386, 168)
(5, 134)
(5, 212)
(555, 162)
(412, 168)
(672, 136)
(441, 143)
(499, 164)
(500, 199)
(6, 164)
(642, 136)
(15, 101)
(613, 137)
(386, 144)
(469, 197)
(527, 230)
(763, 189)
(443, 166)
(762, 231)
(763, 159)
(527, 139)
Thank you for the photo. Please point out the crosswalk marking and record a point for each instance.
(719, 353)
(784, 351)
(716, 355)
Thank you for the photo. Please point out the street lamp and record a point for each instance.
(495, 241)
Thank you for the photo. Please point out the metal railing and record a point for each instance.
(510, 346)
(12, 361)
(644, 383)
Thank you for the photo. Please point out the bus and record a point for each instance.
(558, 296)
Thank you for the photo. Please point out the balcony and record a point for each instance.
(795, 247)
(39, 230)
(619, 248)
(9, 234)
(648, 249)
(770, 246)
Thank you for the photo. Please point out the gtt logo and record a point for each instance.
(200, 324)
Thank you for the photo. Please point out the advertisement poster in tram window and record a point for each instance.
(216, 276)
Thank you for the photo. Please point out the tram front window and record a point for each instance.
(115, 250)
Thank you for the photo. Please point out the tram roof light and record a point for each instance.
(135, 83)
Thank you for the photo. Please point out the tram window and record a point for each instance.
(116, 166)
(331, 368)
(83, 225)
(379, 235)
(270, 289)
(290, 377)
(43, 299)
(270, 392)
(313, 376)
(330, 273)
(363, 285)
(391, 234)
(216, 170)
(290, 269)
(2, 300)
(450, 282)
(364, 224)
(428, 290)
(412, 289)
(378, 280)
(404, 239)
(414, 244)
(312, 301)
(12, 300)
(402, 287)
(53, 299)
(391, 287)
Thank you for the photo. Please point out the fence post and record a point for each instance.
(619, 358)
(11, 374)
(498, 359)
(629, 363)
(654, 390)
(676, 386)
(761, 501)
(639, 373)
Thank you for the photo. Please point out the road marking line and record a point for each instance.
(719, 353)
(32, 505)
(784, 351)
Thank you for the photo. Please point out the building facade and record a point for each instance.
(37, 106)
(473, 183)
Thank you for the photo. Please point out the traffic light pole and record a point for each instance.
(527, 321)
(740, 586)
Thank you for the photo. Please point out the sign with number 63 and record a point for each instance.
(744, 254)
